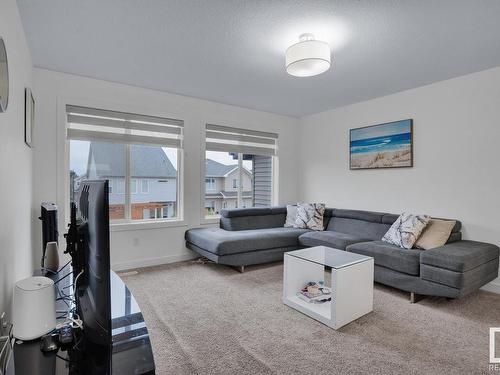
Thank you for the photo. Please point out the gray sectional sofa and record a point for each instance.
(256, 235)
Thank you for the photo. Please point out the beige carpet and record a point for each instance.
(210, 319)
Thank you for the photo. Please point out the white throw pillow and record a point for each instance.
(310, 216)
(406, 230)
(291, 216)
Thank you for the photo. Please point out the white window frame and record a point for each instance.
(62, 166)
(239, 138)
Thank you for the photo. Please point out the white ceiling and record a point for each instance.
(232, 51)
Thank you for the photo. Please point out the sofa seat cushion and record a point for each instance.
(330, 238)
(223, 242)
(390, 256)
(460, 256)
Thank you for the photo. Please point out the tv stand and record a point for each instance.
(129, 353)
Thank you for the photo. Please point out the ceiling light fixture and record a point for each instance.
(308, 57)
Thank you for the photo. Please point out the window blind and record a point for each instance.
(111, 126)
(225, 138)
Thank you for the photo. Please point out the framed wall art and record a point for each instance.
(388, 145)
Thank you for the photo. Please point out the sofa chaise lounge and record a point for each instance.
(256, 235)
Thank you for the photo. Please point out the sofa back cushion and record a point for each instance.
(362, 223)
(369, 224)
(253, 218)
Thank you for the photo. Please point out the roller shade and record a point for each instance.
(229, 139)
(111, 126)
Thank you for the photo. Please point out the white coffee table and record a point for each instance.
(351, 283)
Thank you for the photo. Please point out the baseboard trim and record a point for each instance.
(148, 262)
(492, 287)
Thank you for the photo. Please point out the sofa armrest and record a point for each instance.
(460, 256)
(252, 218)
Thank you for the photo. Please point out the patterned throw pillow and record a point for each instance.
(291, 216)
(310, 216)
(406, 230)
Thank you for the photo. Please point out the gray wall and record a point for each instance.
(18, 251)
(455, 173)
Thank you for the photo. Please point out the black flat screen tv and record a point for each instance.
(92, 288)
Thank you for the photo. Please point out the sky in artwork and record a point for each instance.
(397, 127)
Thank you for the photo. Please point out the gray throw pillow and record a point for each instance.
(406, 230)
(291, 216)
(310, 216)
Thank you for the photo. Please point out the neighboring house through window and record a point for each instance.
(152, 170)
(241, 163)
(227, 177)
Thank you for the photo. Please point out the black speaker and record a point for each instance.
(49, 225)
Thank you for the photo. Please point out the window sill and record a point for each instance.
(142, 225)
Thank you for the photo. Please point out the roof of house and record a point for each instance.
(147, 161)
(216, 169)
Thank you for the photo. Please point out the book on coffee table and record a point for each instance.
(315, 292)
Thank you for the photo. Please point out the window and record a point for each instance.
(210, 207)
(167, 211)
(243, 160)
(153, 213)
(80, 153)
(144, 186)
(125, 148)
(120, 186)
(209, 184)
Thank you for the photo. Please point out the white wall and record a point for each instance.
(162, 244)
(456, 171)
(16, 258)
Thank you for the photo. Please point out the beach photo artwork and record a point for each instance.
(387, 145)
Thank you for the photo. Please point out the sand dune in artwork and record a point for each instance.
(385, 159)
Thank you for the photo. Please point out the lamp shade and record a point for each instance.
(308, 57)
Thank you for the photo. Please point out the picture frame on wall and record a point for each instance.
(388, 145)
(29, 117)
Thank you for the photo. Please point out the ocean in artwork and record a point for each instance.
(382, 146)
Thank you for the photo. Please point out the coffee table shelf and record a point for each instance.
(351, 283)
